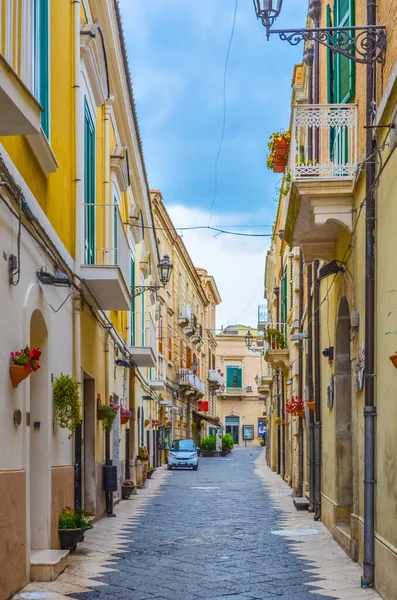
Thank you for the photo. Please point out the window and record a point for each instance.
(161, 335)
(188, 357)
(169, 342)
(213, 361)
(183, 445)
(181, 354)
(89, 187)
(284, 294)
(234, 377)
(115, 236)
(132, 313)
(209, 359)
(40, 56)
(341, 70)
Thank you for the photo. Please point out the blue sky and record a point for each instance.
(177, 51)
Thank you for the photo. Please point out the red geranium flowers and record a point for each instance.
(28, 358)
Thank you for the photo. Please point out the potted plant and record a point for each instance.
(67, 402)
(72, 524)
(150, 472)
(275, 338)
(23, 363)
(277, 420)
(147, 422)
(180, 422)
(208, 446)
(278, 151)
(295, 407)
(127, 487)
(168, 424)
(156, 423)
(107, 414)
(125, 415)
(227, 444)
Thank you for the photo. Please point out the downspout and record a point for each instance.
(369, 408)
(109, 215)
(78, 178)
(310, 382)
(282, 426)
(317, 396)
(300, 384)
(278, 426)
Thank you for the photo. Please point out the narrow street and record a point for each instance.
(214, 534)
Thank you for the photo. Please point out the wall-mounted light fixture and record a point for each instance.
(164, 269)
(58, 279)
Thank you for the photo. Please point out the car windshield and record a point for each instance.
(180, 445)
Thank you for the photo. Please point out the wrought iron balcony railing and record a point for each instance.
(324, 141)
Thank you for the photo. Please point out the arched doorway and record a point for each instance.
(41, 414)
(343, 415)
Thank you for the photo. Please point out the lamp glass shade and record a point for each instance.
(165, 267)
(195, 366)
(268, 11)
(249, 339)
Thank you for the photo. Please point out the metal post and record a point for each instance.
(108, 495)
(278, 424)
(127, 454)
(369, 409)
(317, 395)
(282, 426)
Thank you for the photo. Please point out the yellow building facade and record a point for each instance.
(78, 240)
(322, 218)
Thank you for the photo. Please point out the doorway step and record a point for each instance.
(46, 565)
(301, 503)
(342, 534)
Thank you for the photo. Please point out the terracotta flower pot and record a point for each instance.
(126, 491)
(301, 414)
(281, 148)
(311, 405)
(279, 166)
(19, 373)
(393, 358)
(124, 419)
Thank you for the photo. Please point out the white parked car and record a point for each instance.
(183, 453)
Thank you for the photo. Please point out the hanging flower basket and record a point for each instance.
(124, 420)
(23, 363)
(301, 414)
(295, 407)
(393, 358)
(311, 405)
(279, 166)
(147, 422)
(125, 415)
(19, 373)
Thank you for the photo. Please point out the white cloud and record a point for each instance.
(237, 263)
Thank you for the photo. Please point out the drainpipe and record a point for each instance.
(310, 382)
(278, 426)
(369, 408)
(300, 385)
(282, 426)
(317, 396)
(107, 196)
(78, 178)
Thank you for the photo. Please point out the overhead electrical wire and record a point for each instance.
(224, 112)
(209, 227)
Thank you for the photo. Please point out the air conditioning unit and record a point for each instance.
(249, 388)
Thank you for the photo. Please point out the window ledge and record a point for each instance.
(43, 153)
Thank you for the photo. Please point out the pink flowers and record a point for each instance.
(295, 406)
(125, 412)
(26, 357)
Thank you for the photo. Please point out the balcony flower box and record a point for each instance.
(278, 145)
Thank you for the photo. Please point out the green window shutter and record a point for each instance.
(132, 319)
(291, 281)
(89, 187)
(284, 294)
(143, 319)
(330, 58)
(345, 69)
(41, 74)
(234, 377)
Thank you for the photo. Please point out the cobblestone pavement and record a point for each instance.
(221, 533)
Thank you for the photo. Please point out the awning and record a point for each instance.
(213, 420)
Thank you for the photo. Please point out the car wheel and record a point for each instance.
(195, 468)
(169, 468)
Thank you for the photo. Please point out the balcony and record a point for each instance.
(106, 267)
(276, 344)
(19, 111)
(158, 383)
(184, 314)
(145, 355)
(197, 336)
(323, 163)
(214, 379)
(262, 316)
(190, 382)
(232, 391)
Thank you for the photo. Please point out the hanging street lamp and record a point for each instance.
(164, 269)
(249, 339)
(267, 11)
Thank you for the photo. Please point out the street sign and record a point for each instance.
(248, 432)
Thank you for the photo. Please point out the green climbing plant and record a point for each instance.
(275, 335)
(67, 402)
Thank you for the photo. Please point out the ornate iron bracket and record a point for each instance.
(360, 44)
(138, 290)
